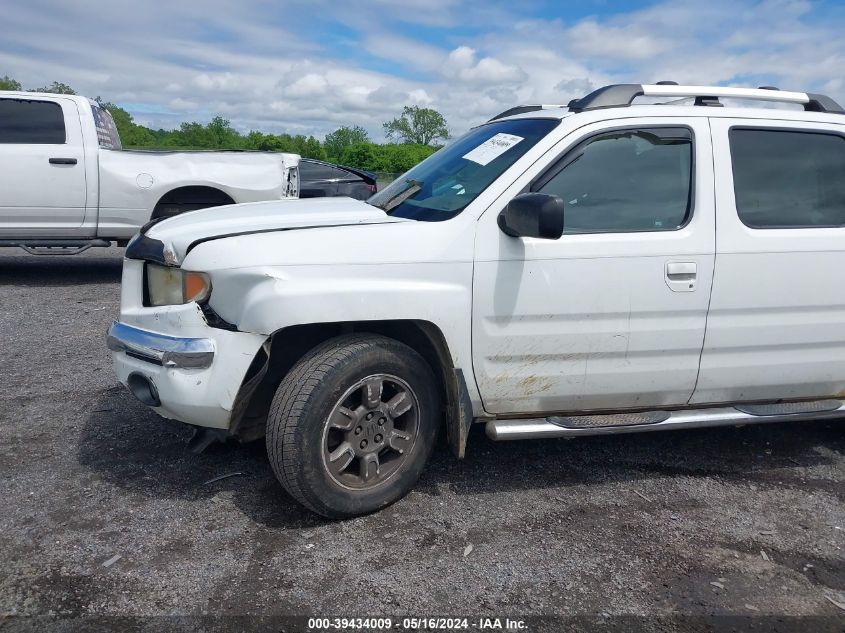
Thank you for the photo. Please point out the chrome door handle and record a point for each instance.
(681, 270)
(681, 276)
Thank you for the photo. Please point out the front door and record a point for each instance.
(42, 167)
(776, 328)
(612, 314)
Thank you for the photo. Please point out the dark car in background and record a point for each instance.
(318, 179)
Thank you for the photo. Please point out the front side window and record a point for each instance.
(786, 179)
(446, 182)
(31, 122)
(625, 180)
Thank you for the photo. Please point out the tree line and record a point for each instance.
(412, 136)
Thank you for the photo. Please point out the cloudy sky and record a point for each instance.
(310, 67)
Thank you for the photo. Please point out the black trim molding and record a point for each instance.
(147, 249)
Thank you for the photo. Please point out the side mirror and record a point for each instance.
(533, 215)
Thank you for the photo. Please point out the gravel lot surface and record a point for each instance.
(104, 512)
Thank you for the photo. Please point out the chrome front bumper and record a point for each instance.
(160, 349)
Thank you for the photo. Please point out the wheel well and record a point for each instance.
(194, 197)
(287, 346)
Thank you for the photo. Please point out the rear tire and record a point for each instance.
(353, 424)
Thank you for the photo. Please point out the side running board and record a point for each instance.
(55, 247)
(580, 425)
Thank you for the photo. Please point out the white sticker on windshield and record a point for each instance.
(492, 148)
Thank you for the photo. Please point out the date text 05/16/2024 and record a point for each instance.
(417, 624)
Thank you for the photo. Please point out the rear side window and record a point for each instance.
(317, 171)
(624, 181)
(31, 122)
(107, 135)
(787, 179)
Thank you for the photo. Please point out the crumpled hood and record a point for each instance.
(180, 233)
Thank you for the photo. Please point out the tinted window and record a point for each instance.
(788, 179)
(317, 171)
(23, 121)
(343, 174)
(626, 180)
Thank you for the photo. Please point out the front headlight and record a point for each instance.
(173, 286)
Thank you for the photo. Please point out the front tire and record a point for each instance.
(353, 424)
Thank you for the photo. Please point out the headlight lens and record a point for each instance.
(173, 286)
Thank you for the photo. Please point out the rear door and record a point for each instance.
(612, 314)
(42, 167)
(776, 327)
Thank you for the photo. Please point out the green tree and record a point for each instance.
(307, 147)
(278, 143)
(360, 155)
(56, 88)
(342, 138)
(131, 134)
(253, 140)
(192, 134)
(7, 83)
(417, 125)
(222, 134)
(400, 158)
(314, 149)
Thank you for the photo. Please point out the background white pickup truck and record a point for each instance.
(65, 180)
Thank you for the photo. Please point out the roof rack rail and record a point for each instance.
(621, 95)
(525, 108)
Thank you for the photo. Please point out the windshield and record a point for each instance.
(442, 186)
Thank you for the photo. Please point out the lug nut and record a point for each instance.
(363, 443)
(358, 430)
(378, 438)
(381, 421)
(369, 416)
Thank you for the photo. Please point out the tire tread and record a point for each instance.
(293, 397)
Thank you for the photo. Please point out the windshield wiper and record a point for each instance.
(394, 201)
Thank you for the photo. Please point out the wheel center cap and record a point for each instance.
(375, 428)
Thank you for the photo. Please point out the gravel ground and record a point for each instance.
(669, 531)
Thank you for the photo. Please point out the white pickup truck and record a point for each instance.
(602, 267)
(66, 184)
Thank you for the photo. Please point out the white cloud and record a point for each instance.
(591, 39)
(219, 81)
(404, 50)
(183, 104)
(420, 97)
(462, 65)
(310, 85)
